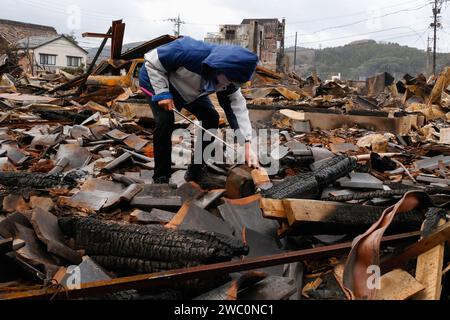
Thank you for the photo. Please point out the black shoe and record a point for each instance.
(199, 175)
(161, 180)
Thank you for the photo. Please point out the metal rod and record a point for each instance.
(205, 130)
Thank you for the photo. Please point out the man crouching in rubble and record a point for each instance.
(182, 74)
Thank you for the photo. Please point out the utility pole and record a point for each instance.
(295, 51)
(437, 6)
(177, 22)
(428, 69)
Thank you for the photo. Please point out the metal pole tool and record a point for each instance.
(205, 130)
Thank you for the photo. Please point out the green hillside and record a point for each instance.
(363, 59)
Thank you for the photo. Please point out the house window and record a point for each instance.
(47, 59)
(73, 61)
(230, 34)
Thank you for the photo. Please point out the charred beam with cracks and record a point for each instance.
(138, 248)
(310, 183)
(34, 180)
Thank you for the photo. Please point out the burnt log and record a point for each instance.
(164, 249)
(63, 115)
(308, 185)
(34, 180)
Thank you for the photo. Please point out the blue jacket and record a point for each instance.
(183, 64)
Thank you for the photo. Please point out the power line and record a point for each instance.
(364, 20)
(56, 7)
(350, 15)
(362, 34)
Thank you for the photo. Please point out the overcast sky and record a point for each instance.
(319, 23)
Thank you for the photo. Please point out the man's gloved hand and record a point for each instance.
(251, 159)
(167, 104)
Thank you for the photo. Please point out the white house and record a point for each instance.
(52, 52)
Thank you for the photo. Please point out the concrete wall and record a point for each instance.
(261, 38)
(61, 48)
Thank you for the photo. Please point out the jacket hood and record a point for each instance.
(237, 63)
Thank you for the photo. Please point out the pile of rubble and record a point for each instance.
(363, 183)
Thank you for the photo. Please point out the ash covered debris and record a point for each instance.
(359, 166)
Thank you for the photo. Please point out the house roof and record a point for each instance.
(12, 31)
(271, 20)
(36, 42)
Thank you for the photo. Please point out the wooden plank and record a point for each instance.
(273, 209)
(429, 272)
(95, 35)
(261, 179)
(312, 217)
(418, 248)
(398, 285)
(118, 30)
(300, 211)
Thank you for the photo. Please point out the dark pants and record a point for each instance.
(202, 109)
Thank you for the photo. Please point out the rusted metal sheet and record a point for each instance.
(366, 249)
(118, 29)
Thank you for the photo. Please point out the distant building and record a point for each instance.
(51, 53)
(13, 31)
(265, 37)
(40, 47)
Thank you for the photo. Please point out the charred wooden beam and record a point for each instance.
(133, 244)
(73, 116)
(34, 180)
(307, 185)
(312, 217)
